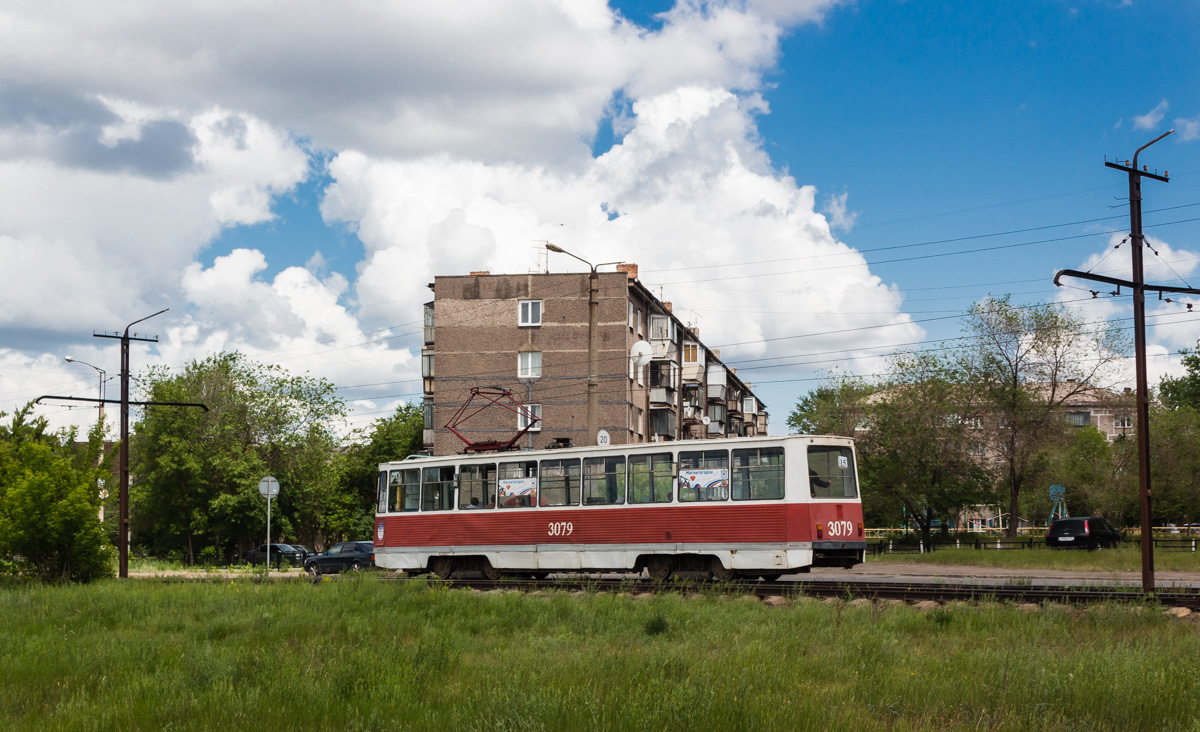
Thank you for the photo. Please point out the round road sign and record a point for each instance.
(268, 487)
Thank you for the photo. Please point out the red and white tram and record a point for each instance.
(743, 507)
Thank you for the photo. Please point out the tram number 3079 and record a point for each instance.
(840, 528)
(560, 528)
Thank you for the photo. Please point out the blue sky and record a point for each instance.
(401, 143)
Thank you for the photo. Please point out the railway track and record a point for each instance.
(908, 591)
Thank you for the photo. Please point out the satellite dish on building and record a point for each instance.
(640, 353)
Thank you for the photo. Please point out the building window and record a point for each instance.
(428, 323)
(631, 316)
(529, 365)
(523, 421)
(1079, 419)
(1123, 423)
(748, 405)
(530, 313)
(427, 366)
(977, 450)
(691, 353)
(639, 322)
(427, 414)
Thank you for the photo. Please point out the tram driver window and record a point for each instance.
(477, 486)
(437, 489)
(704, 475)
(831, 472)
(517, 484)
(757, 474)
(559, 481)
(651, 478)
(603, 481)
(384, 503)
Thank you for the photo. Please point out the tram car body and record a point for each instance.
(740, 507)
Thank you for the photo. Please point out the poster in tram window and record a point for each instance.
(517, 487)
(704, 485)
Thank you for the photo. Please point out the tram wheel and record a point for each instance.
(490, 572)
(539, 575)
(720, 573)
(770, 577)
(659, 568)
(441, 567)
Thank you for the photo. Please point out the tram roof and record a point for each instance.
(725, 443)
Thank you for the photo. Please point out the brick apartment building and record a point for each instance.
(529, 333)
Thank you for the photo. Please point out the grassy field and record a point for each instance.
(368, 655)
(1124, 559)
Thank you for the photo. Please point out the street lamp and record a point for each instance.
(102, 380)
(593, 418)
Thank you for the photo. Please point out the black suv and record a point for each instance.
(1087, 532)
(351, 555)
(278, 554)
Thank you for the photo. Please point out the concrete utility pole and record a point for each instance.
(1139, 288)
(593, 381)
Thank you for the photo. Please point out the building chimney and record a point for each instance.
(667, 305)
(694, 331)
(629, 269)
(733, 370)
(480, 273)
(716, 353)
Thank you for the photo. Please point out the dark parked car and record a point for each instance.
(353, 555)
(279, 554)
(305, 552)
(1086, 532)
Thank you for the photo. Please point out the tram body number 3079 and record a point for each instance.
(840, 528)
(560, 528)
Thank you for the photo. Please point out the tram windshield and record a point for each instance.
(831, 472)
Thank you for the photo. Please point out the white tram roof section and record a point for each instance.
(631, 448)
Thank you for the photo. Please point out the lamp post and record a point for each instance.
(102, 380)
(593, 417)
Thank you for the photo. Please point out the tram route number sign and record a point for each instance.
(602, 438)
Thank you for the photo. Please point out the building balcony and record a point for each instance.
(716, 428)
(716, 392)
(692, 414)
(664, 396)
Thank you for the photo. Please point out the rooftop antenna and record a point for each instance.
(542, 265)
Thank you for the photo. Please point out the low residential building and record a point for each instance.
(528, 333)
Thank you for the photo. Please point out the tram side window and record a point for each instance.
(603, 481)
(438, 489)
(559, 482)
(383, 492)
(477, 486)
(757, 474)
(405, 489)
(704, 475)
(831, 472)
(651, 478)
(517, 485)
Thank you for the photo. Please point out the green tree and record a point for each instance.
(1028, 363)
(919, 448)
(836, 407)
(392, 438)
(1182, 391)
(196, 473)
(50, 490)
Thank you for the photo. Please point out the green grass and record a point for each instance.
(1124, 559)
(368, 655)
